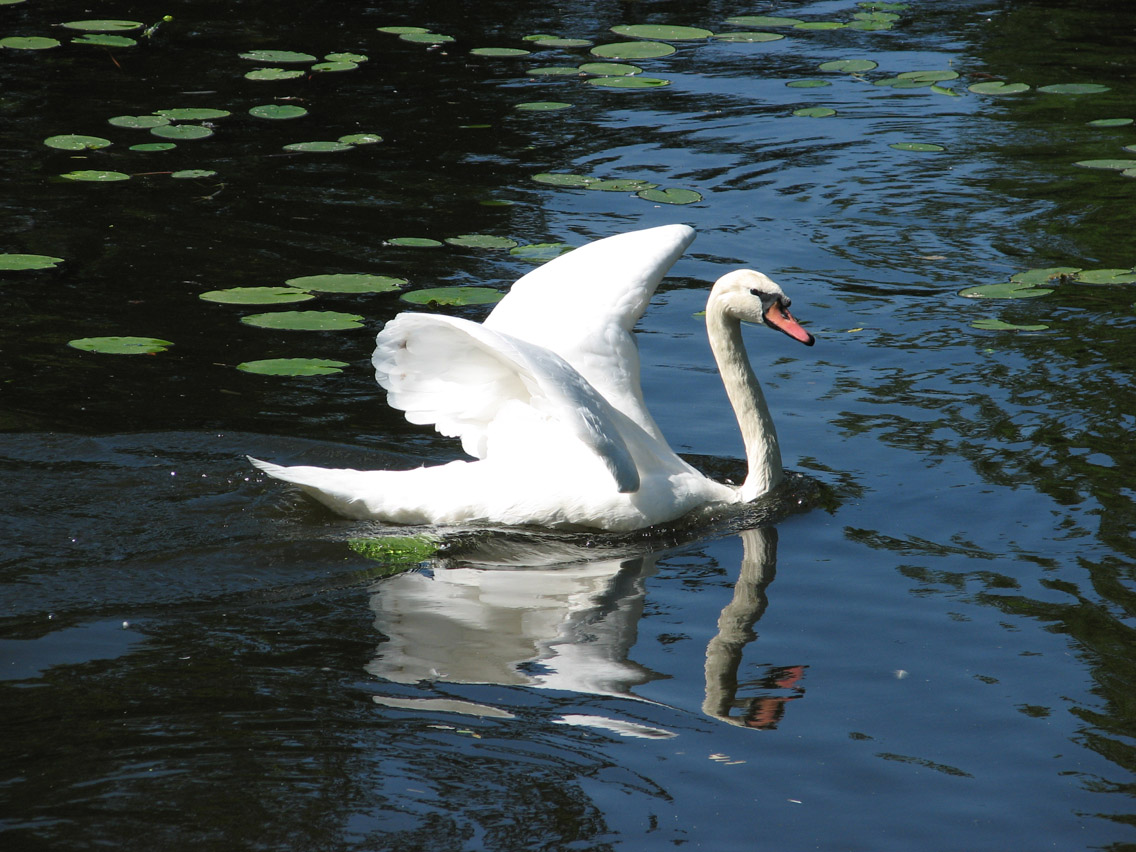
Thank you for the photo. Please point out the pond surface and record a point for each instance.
(935, 652)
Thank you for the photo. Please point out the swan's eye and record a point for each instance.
(755, 292)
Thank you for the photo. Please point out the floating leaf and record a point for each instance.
(293, 366)
(848, 66)
(426, 38)
(542, 106)
(28, 43)
(1110, 122)
(186, 174)
(1074, 89)
(1004, 290)
(256, 295)
(347, 282)
(928, 147)
(95, 175)
(555, 71)
(334, 67)
(317, 147)
(670, 196)
(1106, 276)
(621, 185)
(193, 113)
(277, 111)
(402, 30)
(1117, 164)
(815, 112)
(500, 52)
(632, 50)
(121, 345)
(661, 31)
(357, 58)
(763, 21)
(266, 74)
(882, 5)
(636, 82)
(1033, 277)
(153, 146)
(76, 143)
(998, 325)
(819, 25)
(283, 57)
(610, 69)
(105, 40)
(140, 122)
(103, 26)
(481, 241)
(808, 84)
(998, 87)
(182, 131)
(396, 550)
(552, 41)
(415, 242)
(305, 320)
(748, 36)
(361, 138)
(540, 252)
(15, 262)
(454, 296)
(565, 180)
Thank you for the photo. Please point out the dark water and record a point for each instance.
(938, 654)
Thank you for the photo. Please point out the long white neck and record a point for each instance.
(763, 454)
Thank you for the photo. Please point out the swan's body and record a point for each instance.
(545, 395)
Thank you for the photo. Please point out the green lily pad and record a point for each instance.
(334, 67)
(139, 122)
(361, 139)
(1073, 89)
(269, 74)
(763, 21)
(348, 282)
(121, 345)
(819, 25)
(925, 147)
(1129, 173)
(293, 366)
(932, 76)
(193, 113)
(540, 252)
(103, 26)
(500, 52)
(1117, 164)
(1106, 276)
(182, 131)
(569, 181)
(632, 50)
(256, 296)
(72, 142)
(16, 262)
(281, 57)
(815, 112)
(415, 242)
(105, 40)
(1048, 275)
(554, 71)
(609, 69)
(553, 41)
(671, 195)
(848, 66)
(454, 296)
(542, 106)
(357, 58)
(398, 551)
(95, 175)
(277, 111)
(661, 31)
(1004, 290)
(318, 147)
(188, 174)
(998, 87)
(621, 185)
(945, 90)
(305, 320)
(999, 325)
(636, 82)
(402, 30)
(485, 241)
(28, 43)
(1110, 122)
(882, 5)
(153, 146)
(748, 37)
(426, 38)
(808, 84)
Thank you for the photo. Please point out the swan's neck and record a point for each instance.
(763, 454)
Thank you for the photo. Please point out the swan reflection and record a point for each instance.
(565, 626)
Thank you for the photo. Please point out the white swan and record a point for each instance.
(545, 394)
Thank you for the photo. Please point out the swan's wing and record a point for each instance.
(460, 377)
(583, 306)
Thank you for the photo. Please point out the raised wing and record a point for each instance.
(460, 377)
(583, 306)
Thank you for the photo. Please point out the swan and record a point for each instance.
(545, 396)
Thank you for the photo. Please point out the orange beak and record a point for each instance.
(778, 317)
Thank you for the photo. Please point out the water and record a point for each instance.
(936, 655)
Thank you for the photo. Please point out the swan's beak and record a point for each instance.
(778, 317)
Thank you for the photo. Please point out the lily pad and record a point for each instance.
(73, 142)
(565, 180)
(1106, 276)
(103, 26)
(357, 58)
(317, 147)
(999, 325)
(553, 41)
(621, 185)
(542, 106)
(305, 320)
(636, 82)
(1116, 164)
(555, 71)
(361, 139)
(188, 174)
(16, 262)
(415, 242)
(662, 31)
(610, 69)
(540, 252)
(748, 37)
(1048, 275)
(269, 74)
(193, 113)
(486, 241)
(277, 111)
(153, 146)
(402, 30)
(808, 84)
(945, 90)
(140, 122)
(925, 147)
(348, 282)
(256, 296)
(632, 50)
(105, 40)
(1110, 122)
(1004, 290)
(763, 21)
(848, 66)
(820, 25)
(670, 196)
(815, 112)
(280, 57)
(454, 296)
(998, 87)
(95, 175)
(293, 366)
(500, 52)
(334, 67)
(28, 43)
(1073, 89)
(426, 38)
(121, 345)
(182, 131)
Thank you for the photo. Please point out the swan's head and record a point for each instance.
(752, 297)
